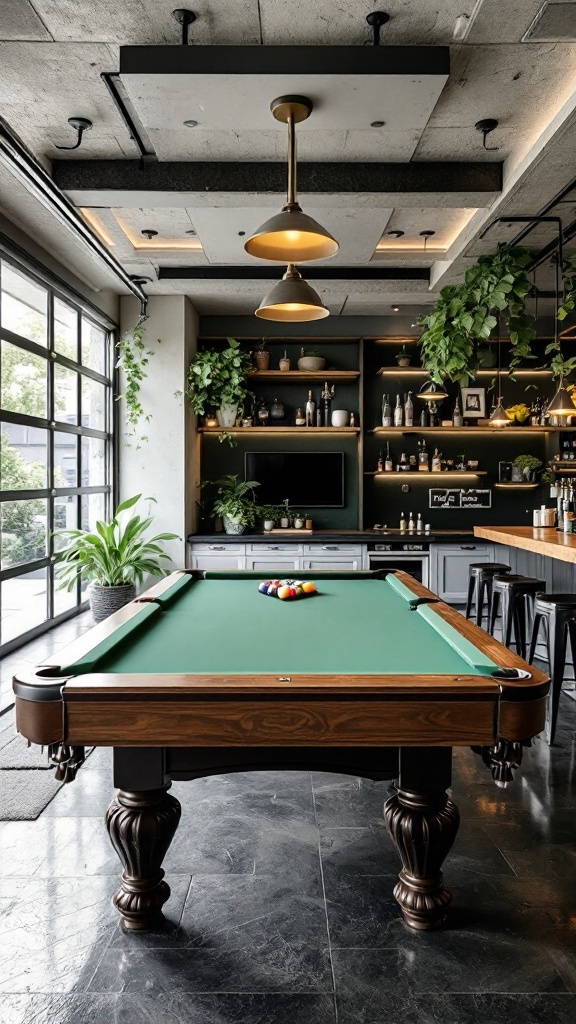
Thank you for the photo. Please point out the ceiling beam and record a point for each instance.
(312, 273)
(267, 177)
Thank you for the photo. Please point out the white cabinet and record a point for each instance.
(279, 566)
(334, 563)
(218, 556)
(449, 568)
(279, 557)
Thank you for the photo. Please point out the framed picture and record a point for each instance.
(473, 403)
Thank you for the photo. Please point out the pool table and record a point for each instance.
(371, 676)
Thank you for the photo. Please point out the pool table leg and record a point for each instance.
(423, 823)
(141, 826)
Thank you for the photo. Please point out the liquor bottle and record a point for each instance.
(457, 416)
(318, 417)
(380, 463)
(402, 523)
(398, 412)
(543, 414)
(424, 417)
(327, 396)
(419, 523)
(386, 412)
(310, 410)
(423, 464)
(300, 419)
(436, 461)
(388, 459)
(403, 465)
(411, 523)
(409, 411)
(413, 462)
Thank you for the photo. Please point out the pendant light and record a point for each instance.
(499, 417)
(432, 392)
(291, 236)
(292, 300)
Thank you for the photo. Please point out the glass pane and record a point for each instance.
(93, 462)
(24, 603)
(65, 459)
(94, 506)
(23, 457)
(23, 381)
(24, 305)
(65, 394)
(23, 526)
(65, 330)
(94, 404)
(64, 601)
(94, 347)
(65, 518)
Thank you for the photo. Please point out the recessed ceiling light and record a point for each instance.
(190, 124)
(377, 124)
(148, 233)
(395, 309)
(191, 231)
(394, 234)
(241, 233)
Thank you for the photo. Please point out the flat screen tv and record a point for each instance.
(307, 479)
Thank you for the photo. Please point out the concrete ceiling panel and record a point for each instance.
(19, 20)
(220, 200)
(329, 23)
(502, 22)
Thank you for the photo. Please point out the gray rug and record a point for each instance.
(27, 782)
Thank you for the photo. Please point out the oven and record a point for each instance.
(410, 556)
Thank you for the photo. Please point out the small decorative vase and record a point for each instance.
(284, 364)
(276, 410)
(262, 359)
(227, 415)
(308, 524)
(298, 524)
(232, 527)
(104, 601)
(268, 525)
(404, 359)
(340, 418)
(285, 522)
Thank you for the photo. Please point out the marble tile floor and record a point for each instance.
(282, 909)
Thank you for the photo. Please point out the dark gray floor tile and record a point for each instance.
(461, 1009)
(87, 797)
(342, 801)
(361, 910)
(357, 851)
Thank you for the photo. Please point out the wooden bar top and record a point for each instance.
(545, 541)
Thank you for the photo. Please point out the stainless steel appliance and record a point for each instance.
(408, 555)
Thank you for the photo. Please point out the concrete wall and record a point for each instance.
(163, 466)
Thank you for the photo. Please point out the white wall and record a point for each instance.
(163, 467)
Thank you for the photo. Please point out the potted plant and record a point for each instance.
(403, 357)
(113, 558)
(261, 356)
(311, 361)
(217, 380)
(525, 467)
(233, 503)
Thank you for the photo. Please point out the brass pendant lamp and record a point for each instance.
(291, 236)
(292, 300)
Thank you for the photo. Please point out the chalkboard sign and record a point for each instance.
(460, 498)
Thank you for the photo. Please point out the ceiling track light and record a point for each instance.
(80, 125)
(184, 18)
(291, 236)
(292, 300)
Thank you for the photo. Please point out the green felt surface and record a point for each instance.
(352, 626)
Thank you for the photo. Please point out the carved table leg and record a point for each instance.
(423, 827)
(141, 827)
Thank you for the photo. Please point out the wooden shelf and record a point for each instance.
(464, 430)
(571, 471)
(524, 485)
(396, 371)
(403, 473)
(419, 371)
(279, 430)
(302, 376)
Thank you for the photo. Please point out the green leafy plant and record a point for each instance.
(132, 358)
(466, 314)
(116, 553)
(527, 464)
(216, 378)
(236, 500)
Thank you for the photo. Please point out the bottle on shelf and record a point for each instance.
(411, 523)
(436, 461)
(388, 459)
(423, 463)
(413, 463)
(380, 463)
(403, 464)
(457, 420)
(318, 417)
(424, 420)
(263, 414)
(409, 410)
(310, 410)
(300, 419)
(327, 396)
(386, 411)
(398, 412)
(419, 523)
(403, 523)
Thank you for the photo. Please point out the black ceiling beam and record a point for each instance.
(271, 273)
(285, 60)
(264, 177)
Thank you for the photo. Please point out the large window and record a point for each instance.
(56, 454)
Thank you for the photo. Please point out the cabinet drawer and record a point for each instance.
(268, 563)
(283, 548)
(217, 561)
(319, 550)
(217, 548)
(335, 563)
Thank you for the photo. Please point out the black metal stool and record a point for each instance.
(480, 576)
(511, 595)
(558, 612)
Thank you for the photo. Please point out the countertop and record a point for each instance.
(331, 536)
(541, 541)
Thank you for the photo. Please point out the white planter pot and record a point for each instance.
(227, 415)
(268, 525)
(340, 418)
(232, 527)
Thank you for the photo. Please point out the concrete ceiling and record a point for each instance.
(53, 52)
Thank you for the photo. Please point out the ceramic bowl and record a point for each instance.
(311, 363)
(340, 418)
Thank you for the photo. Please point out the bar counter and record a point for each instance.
(546, 541)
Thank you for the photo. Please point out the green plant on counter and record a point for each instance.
(233, 501)
(133, 358)
(466, 315)
(528, 465)
(216, 378)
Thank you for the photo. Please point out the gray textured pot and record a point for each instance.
(106, 600)
(232, 527)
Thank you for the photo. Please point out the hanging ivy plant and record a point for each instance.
(559, 365)
(466, 314)
(132, 359)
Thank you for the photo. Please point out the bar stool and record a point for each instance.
(480, 576)
(511, 595)
(558, 612)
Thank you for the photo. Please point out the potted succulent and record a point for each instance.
(311, 361)
(113, 558)
(403, 357)
(235, 503)
(525, 467)
(261, 356)
(217, 381)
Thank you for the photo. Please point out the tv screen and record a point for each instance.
(307, 479)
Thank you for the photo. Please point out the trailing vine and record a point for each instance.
(132, 359)
(559, 365)
(466, 314)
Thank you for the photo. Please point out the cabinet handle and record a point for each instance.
(217, 547)
(274, 547)
(330, 547)
(467, 547)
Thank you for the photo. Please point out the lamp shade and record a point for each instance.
(499, 417)
(561, 404)
(432, 392)
(292, 300)
(291, 236)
